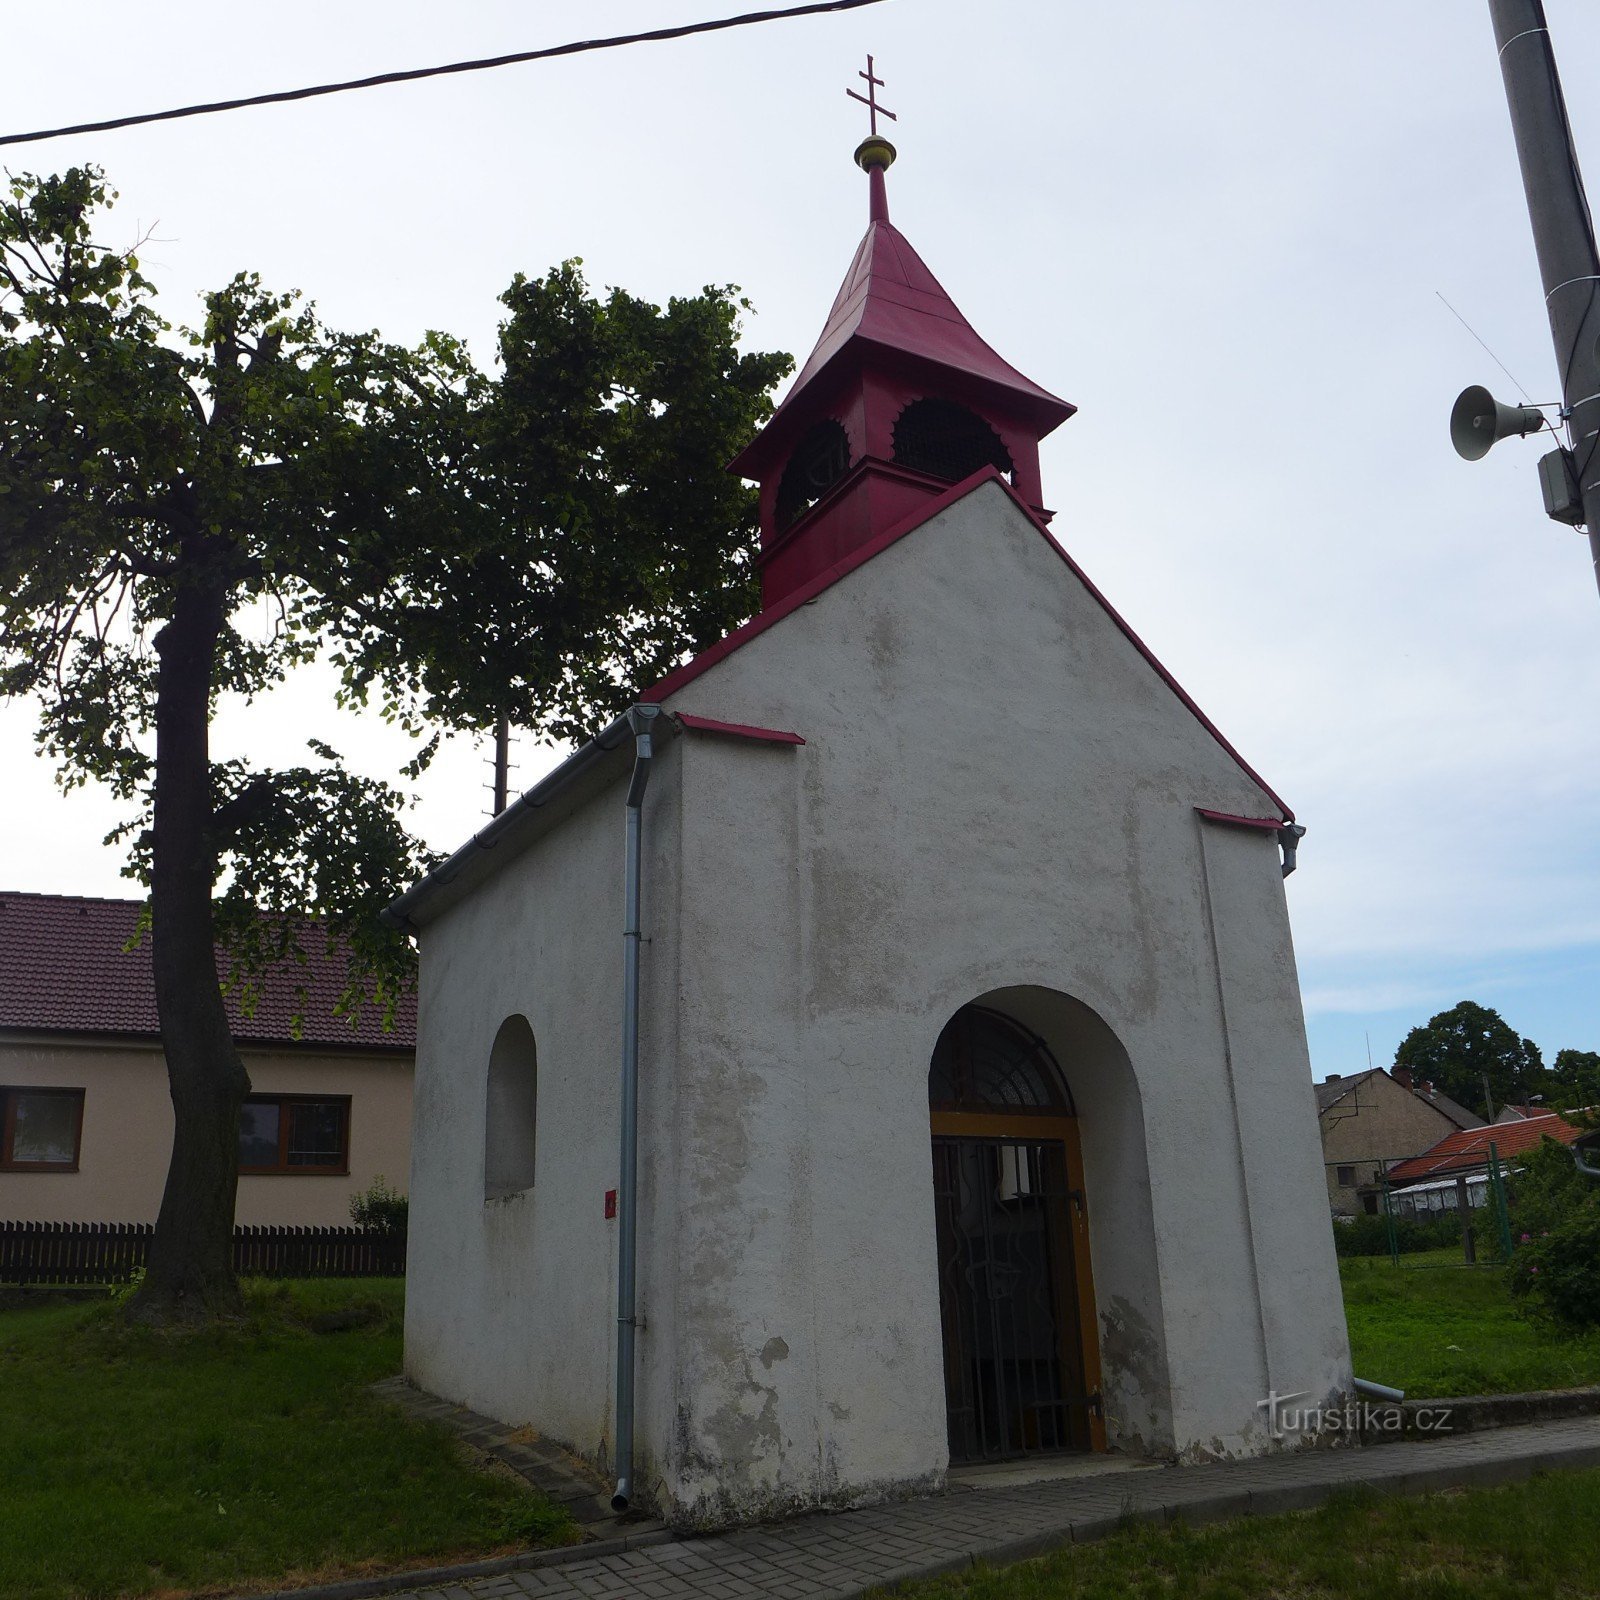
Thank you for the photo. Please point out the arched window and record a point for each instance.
(820, 459)
(947, 441)
(986, 1062)
(510, 1110)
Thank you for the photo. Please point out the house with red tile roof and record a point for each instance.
(85, 1115)
(1467, 1149)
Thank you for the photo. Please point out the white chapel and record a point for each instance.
(881, 1049)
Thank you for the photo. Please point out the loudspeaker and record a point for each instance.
(1478, 422)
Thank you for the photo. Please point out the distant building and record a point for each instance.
(85, 1115)
(1459, 1163)
(1373, 1119)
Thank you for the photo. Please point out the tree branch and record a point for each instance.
(242, 809)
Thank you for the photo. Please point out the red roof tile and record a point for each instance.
(1468, 1148)
(63, 969)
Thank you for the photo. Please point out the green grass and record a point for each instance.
(138, 1463)
(1527, 1542)
(1436, 1328)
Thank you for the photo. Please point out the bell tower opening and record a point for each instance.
(820, 460)
(948, 441)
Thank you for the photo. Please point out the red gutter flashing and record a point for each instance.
(1228, 820)
(864, 553)
(734, 730)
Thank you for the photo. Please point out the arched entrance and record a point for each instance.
(1016, 1302)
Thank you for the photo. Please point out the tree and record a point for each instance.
(1577, 1078)
(1460, 1047)
(186, 514)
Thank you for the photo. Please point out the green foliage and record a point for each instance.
(1577, 1078)
(261, 463)
(1369, 1236)
(543, 544)
(1458, 1048)
(1547, 1189)
(378, 1206)
(1555, 1219)
(1559, 1270)
(237, 1458)
(1527, 1541)
(610, 541)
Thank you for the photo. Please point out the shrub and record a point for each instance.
(1369, 1236)
(380, 1208)
(1560, 1270)
(1547, 1190)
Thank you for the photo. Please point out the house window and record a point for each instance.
(40, 1129)
(510, 1111)
(295, 1133)
(1346, 1177)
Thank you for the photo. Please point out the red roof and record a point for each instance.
(1468, 1148)
(64, 969)
(891, 305)
(890, 299)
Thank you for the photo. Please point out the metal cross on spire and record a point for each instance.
(870, 98)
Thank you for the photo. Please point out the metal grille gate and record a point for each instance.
(1014, 1381)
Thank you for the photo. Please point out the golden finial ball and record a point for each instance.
(875, 151)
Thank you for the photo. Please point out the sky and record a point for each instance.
(1222, 230)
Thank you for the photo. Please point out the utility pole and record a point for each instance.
(1563, 234)
(502, 762)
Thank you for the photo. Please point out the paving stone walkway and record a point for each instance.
(840, 1556)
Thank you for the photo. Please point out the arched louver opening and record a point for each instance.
(819, 461)
(947, 441)
(986, 1062)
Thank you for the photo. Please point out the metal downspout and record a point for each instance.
(640, 719)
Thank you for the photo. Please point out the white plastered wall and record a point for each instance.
(996, 801)
(997, 792)
(510, 1302)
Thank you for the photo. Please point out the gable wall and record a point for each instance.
(997, 790)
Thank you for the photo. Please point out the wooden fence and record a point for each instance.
(110, 1252)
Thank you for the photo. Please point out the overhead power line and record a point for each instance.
(578, 47)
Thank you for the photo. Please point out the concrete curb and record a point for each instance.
(1454, 1415)
(470, 1571)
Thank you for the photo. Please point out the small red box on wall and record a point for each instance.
(611, 1203)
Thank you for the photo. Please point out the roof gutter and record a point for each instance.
(550, 787)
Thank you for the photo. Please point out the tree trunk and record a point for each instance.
(190, 1272)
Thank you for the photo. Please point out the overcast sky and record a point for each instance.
(1220, 229)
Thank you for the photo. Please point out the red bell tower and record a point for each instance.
(899, 400)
